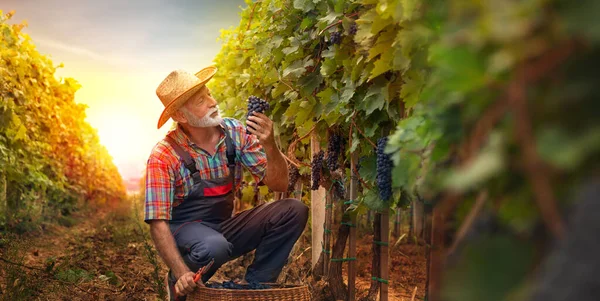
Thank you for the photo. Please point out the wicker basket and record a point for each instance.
(276, 293)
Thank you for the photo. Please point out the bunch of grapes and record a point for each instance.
(316, 165)
(352, 31)
(334, 147)
(294, 174)
(226, 284)
(336, 38)
(253, 285)
(232, 285)
(256, 104)
(235, 286)
(384, 170)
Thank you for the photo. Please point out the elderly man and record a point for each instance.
(191, 178)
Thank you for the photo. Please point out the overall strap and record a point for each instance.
(187, 159)
(230, 151)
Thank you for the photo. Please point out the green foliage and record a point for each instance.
(281, 52)
(51, 160)
(428, 73)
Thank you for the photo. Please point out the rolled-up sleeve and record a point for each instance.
(159, 190)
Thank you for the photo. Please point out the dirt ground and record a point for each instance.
(107, 255)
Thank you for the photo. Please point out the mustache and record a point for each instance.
(212, 111)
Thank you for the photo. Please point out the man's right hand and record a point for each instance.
(185, 284)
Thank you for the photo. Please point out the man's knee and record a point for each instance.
(299, 210)
(211, 247)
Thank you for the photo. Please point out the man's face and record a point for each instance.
(201, 110)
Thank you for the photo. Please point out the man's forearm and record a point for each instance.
(165, 244)
(277, 170)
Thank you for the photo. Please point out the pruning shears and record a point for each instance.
(203, 270)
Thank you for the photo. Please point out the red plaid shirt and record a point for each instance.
(168, 182)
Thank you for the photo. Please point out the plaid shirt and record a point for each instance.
(168, 182)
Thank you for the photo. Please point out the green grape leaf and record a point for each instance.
(374, 100)
(304, 5)
(310, 82)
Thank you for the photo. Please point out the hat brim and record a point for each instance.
(204, 76)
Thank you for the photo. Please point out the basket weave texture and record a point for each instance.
(287, 293)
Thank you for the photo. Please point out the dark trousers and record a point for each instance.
(271, 229)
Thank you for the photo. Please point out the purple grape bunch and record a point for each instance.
(336, 38)
(256, 104)
(352, 30)
(294, 174)
(317, 166)
(334, 147)
(235, 286)
(384, 170)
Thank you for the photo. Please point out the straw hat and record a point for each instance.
(178, 87)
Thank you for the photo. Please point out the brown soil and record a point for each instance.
(104, 256)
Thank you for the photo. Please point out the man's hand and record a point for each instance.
(185, 284)
(277, 172)
(261, 126)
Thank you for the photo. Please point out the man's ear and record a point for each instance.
(179, 117)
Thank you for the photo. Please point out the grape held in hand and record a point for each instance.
(256, 104)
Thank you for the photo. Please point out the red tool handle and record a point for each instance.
(203, 270)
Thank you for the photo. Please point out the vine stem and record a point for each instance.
(292, 147)
(290, 160)
(309, 132)
(336, 23)
(242, 36)
(289, 86)
(361, 132)
(251, 16)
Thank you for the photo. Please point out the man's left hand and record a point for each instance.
(261, 126)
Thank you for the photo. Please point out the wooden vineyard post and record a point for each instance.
(327, 231)
(397, 222)
(428, 231)
(436, 260)
(352, 238)
(385, 255)
(417, 218)
(297, 194)
(317, 208)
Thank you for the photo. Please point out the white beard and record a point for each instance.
(204, 122)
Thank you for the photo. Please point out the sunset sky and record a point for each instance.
(120, 51)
